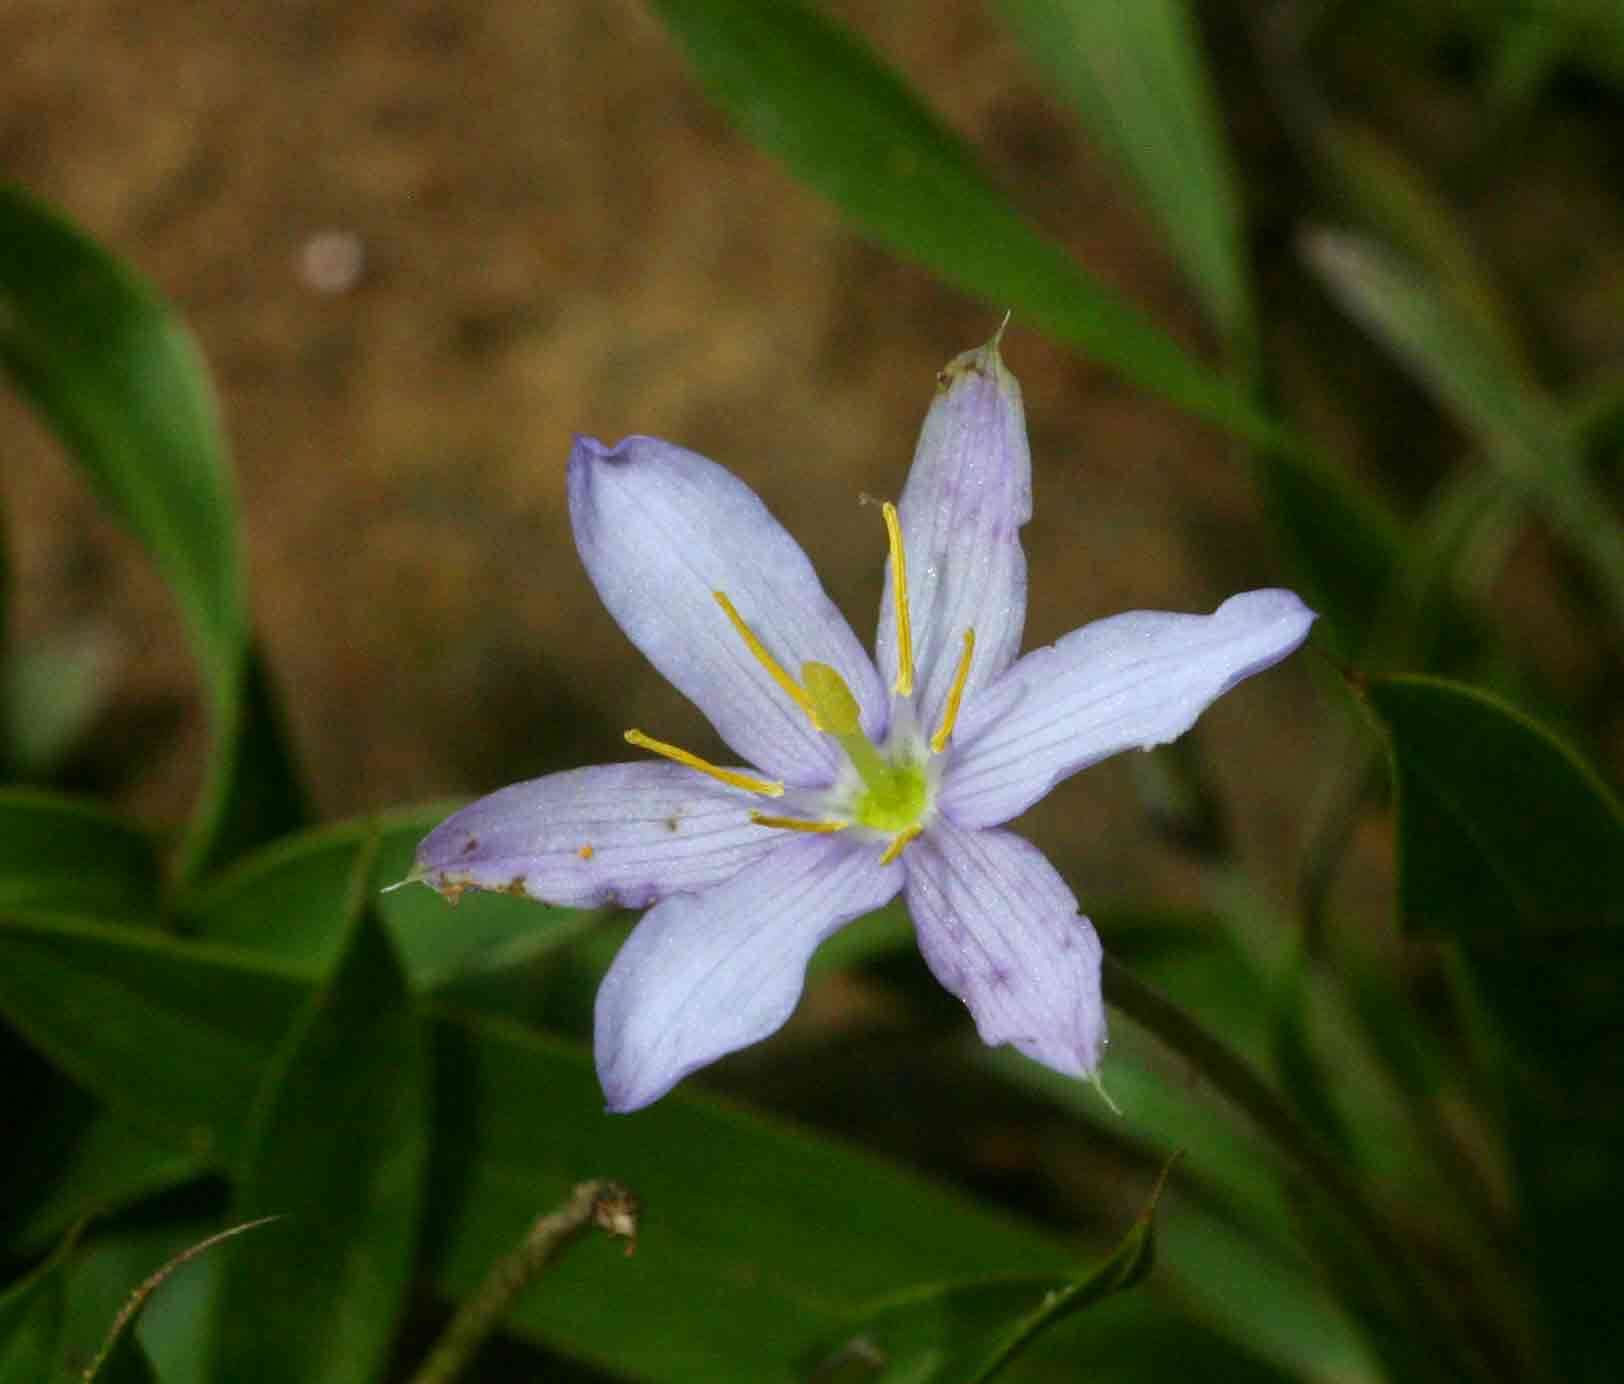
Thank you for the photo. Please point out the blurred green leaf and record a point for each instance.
(1472, 374)
(60, 855)
(97, 352)
(1511, 846)
(82, 1161)
(758, 1240)
(749, 1255)
(1502, 829)
(127, 1363)
(339, 1147)
(1137, 76)
(965, 1333)
(813, 95)
(51, 692)
(32, 1316)
(171, 1035)
(288, 901)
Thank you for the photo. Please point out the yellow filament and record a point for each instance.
(775, 670)
(761, 819)
(766, 787)
(955, 694)
(899, 843)
(899, 597)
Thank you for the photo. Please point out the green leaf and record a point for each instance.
(1136, 75)
(59, 855)
(746, 1259)
(1502, 829)
(814, 96)
(33, 1313)
(759, 1240)
(96, 351)
(339, 1146)
(288, 901)
(170, 1035)
(127, 1363)
(81, 1161)
(965, 1333)
(1472, 373)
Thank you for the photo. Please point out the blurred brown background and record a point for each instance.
(423, 243)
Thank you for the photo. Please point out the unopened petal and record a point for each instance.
(967, 495)
(662, 529)
(704, 975)
(1000, 929)
(1132, 681)
(623, 835)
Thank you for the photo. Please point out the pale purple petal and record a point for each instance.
(622, 835)
(704, 975)
(1132, 681)
(1000, 929)
(660, 529)
(967, 495)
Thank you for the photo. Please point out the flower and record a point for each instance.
(860, 790)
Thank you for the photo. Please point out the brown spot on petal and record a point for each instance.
(470, 845)
(673, 823)
(585, 852)
(515, 886)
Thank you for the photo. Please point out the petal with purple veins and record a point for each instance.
(967, 495)
(1000, 929)
(660, 530)
(704, 975)
(1132, 681)
(623, 835)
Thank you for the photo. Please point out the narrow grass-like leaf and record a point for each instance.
(338, 1148)
(173, 1036)
(1471, 374)
(33, 1313)
(288, 900)
(965, 1333)
(1138, 79)
(60, 855)
(844, 122)
(96, 351)
(745, 1262)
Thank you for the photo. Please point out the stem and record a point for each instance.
(611, 1205)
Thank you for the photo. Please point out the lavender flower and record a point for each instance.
(860, 790)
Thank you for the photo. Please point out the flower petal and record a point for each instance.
(704, 975)
(621, 835)
(968, 493)
(1134, 680)
(1000, 929)
(660, 530)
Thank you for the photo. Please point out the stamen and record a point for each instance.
(955, 694)
(792, 689)
(765, 787)
(899, 843)
(761, 819)
(899, 597)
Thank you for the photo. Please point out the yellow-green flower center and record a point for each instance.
(894, 788)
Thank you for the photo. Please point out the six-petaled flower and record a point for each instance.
(862, 779)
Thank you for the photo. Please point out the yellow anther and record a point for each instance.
(899, 843)
(955, 694)
(899, 598)
(792, 689)
(765, 787)
(761, 819)
(834, 708)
